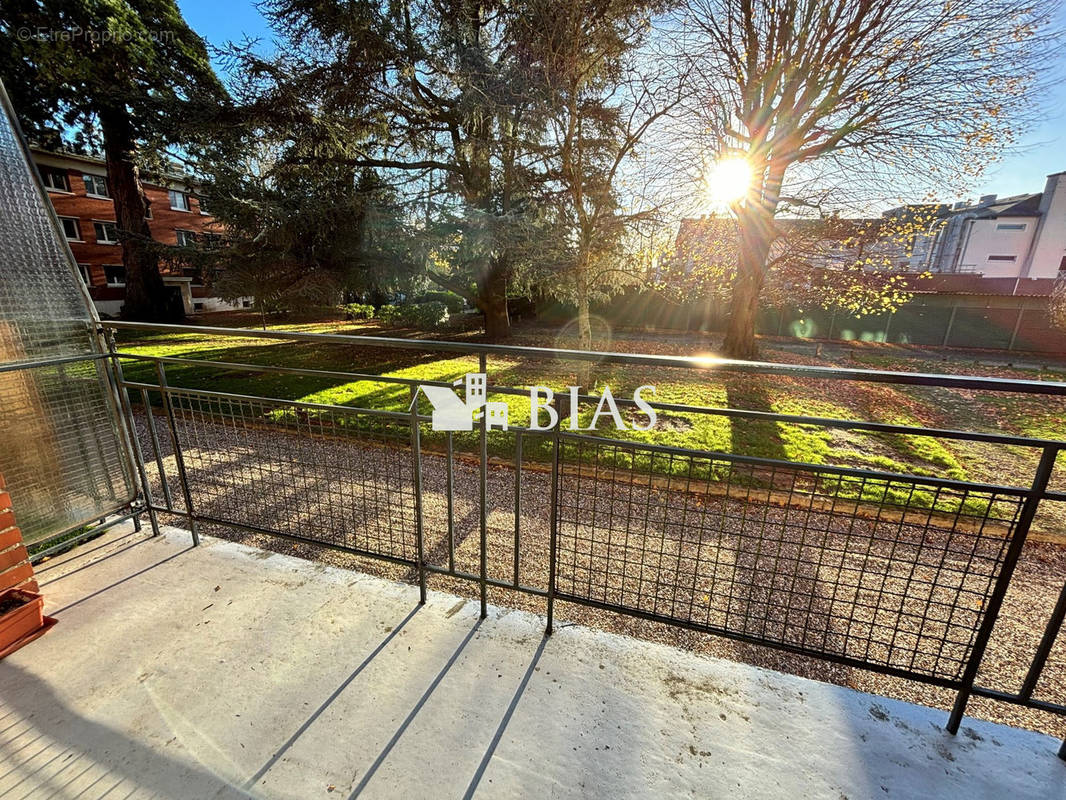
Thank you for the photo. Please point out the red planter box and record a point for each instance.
(18, 625)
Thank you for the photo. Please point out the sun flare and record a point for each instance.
(728, 181)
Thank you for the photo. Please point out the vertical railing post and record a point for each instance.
(416, 453)
(156, 449)
(951, 324)
(1017, 327)
(1051, 632)
(554, 531)
(484, 479)
(119, 387)
(517, 506)
(450, 483)
(1010, 561)
(179, 459)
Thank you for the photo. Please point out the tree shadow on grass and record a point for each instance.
(753, 437)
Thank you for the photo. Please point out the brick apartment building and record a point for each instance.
(77, 186)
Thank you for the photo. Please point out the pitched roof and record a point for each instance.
(1020, 205)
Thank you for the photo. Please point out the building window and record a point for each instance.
(96, 186)
(185, 238)
(1002, 258)
(197, 306)
(55, 179)
(179, 201)
(201, 201)
(106, 233)
(71, 228)
(1011, 226)
(148, 212)
(248, 303)
(83, 270)
(115, 274)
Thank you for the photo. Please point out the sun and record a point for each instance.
(727, 181)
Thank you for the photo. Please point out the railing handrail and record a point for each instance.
(680, 408)
(703, 363)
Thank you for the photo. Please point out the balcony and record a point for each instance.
(236, 668)
(225, 671)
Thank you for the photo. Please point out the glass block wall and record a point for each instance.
(61, 450)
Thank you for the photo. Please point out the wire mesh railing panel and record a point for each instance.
(343, 479)
(892, 572)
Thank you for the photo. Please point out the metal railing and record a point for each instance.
(902, 574)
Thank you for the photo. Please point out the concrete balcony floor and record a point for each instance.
(225, 672)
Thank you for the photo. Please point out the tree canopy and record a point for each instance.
(498, 146)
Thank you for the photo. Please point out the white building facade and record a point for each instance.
(1021, 237)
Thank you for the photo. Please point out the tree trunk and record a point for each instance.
(147, 299)
(754, 235)
(492, 300)
(584, 334)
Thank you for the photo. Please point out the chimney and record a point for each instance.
(1049, 239)
(958, 205)
(987, 200)
(1055, 183)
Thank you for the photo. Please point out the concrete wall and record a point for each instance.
(202, 305)
(197, 305)
(988, 237)
(1049, 251)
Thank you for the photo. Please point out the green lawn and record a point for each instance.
(913, 454)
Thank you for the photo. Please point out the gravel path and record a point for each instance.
(886, 591)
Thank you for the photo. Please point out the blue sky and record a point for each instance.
(226, 21)
(1041, 151)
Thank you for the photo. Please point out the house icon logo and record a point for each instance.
(452, 414)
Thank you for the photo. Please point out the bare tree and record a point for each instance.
(602, 91)
(830, 262)
(831, 101)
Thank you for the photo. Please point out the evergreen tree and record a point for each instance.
(128, 74)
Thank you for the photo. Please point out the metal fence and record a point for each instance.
(902, 574)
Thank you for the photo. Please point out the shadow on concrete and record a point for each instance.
(110, 586)
(75, 737)
(329, 700)
(414, 712)
(476, 780)
(89, 562)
